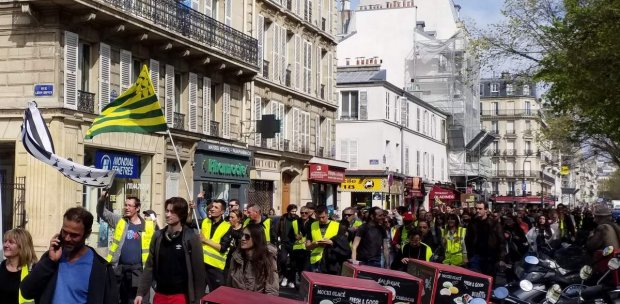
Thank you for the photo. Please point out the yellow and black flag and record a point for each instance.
(136, 110)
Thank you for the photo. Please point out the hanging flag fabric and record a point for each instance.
(136, 110)
(38, 142)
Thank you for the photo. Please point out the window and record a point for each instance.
(349, 105)
(418, 120)
(433, 167)
(528, 125)
(84, 67)
(495, 188)
(481, 89)
(510, 168)
(494, 127)
(511, 188)
(528, 148)
(178, 88)
(494, 167)
(406, 169)
(495, 147)
(509, 89)
(442, 131)
(528, 108)
(494, 87)
(442, 170)
(526, 90)
(510, 127)
(424, 124)
(495, 108)
(137, 67)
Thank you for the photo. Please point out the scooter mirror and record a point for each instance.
(526, 285)
(553, 294)
(608, 250)
(585, 272)
(500, 293)
(532, 260)
(613, 264)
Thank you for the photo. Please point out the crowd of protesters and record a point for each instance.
(212, 243)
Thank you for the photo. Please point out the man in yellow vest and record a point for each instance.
(130, 244)
(216, 239)
(255, 216)
(321, 236)
(301, 228)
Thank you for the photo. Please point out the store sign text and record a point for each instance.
(125, 165)
(216, 167)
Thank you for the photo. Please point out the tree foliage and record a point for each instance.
(573, 48)
(610, 188)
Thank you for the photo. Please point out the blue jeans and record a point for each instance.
(374, 262)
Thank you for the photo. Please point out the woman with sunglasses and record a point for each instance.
(20, 256)
(235, 219)
(253, 265)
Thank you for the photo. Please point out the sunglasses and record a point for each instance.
(350, 214)
(246, 236)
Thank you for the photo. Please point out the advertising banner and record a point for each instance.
(125, 165)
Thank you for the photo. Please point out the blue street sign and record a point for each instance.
(43, 90)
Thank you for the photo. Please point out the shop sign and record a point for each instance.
(323, 173)
(442, 194)
(361, 184)
(224, 149)
(125, 165)
(216, 167)
(265, 164)
(413, 187)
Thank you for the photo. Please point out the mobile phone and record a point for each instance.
(56, 247)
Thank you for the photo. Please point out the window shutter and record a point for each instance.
(298, 52)
(406, 169)
(228, 12)
(403, 111)
(275, 60)
(126, 64)
(104, 75)
(328, 138)
(283, 56)
(363, 105)
(330, 77)
(209, 8)
(344, 151)
(273, 108)
(318, 72)
(169, 98)
(154, 67)
(260, 36)
(352, 153)
(280, 117)
(309, 69)
(317, 135)
(296, 132)
(206, 106)
(407, 114)
(226, 111)
(258, 114)
(72, 41)
(193, 91)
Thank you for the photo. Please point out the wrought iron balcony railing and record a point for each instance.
(511, 132)
(86, 102)
(179, 121)
(181, 19)
(510, 152)
(509, 112)
(214, 128)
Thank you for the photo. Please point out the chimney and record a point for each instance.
(420, 26)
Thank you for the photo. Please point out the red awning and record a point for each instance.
(443, 194)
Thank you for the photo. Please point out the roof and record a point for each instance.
(360, 76)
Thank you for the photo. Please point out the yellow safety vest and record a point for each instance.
(266, 226)
(299, 244)
(24, 273)
(331, 231)
(357, 223)
(212, 256)
(403, 238)
(454, 247)
(145, 238)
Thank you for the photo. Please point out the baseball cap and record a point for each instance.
(150, 213)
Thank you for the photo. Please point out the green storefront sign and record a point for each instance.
(217, 167)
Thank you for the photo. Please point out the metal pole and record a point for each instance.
(189, 193)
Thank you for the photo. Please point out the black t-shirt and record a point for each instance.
(171, 272)
(131, 252)
(9, 285)
(371, 241)
(418, 253)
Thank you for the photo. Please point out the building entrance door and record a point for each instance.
(287, 179)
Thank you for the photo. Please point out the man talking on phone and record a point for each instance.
(71, 272)
(130, 244)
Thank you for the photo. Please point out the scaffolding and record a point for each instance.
(446, 74)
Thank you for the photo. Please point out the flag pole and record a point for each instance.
(189, 193)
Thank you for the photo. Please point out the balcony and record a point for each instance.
(214, 128)
(509, 112)
(352, 116)
(510, 152)
(528, 152)
(510, 133)
(265, 69)
(86, 102)
(181, 19)
(179, 121)
(518, 174)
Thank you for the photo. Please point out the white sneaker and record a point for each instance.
(284, 282)
(291, 285)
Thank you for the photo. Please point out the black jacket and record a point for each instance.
(40, 284)
(197, 278)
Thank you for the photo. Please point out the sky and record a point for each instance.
(480, 11)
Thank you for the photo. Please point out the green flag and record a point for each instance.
(137, 110)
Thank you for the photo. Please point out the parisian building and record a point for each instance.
(217, 66)
(523, 171)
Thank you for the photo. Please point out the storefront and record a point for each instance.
(414, 192)
(324, 180)
(439, 196)
(222, 172)
(381, 191)
(264, 180)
